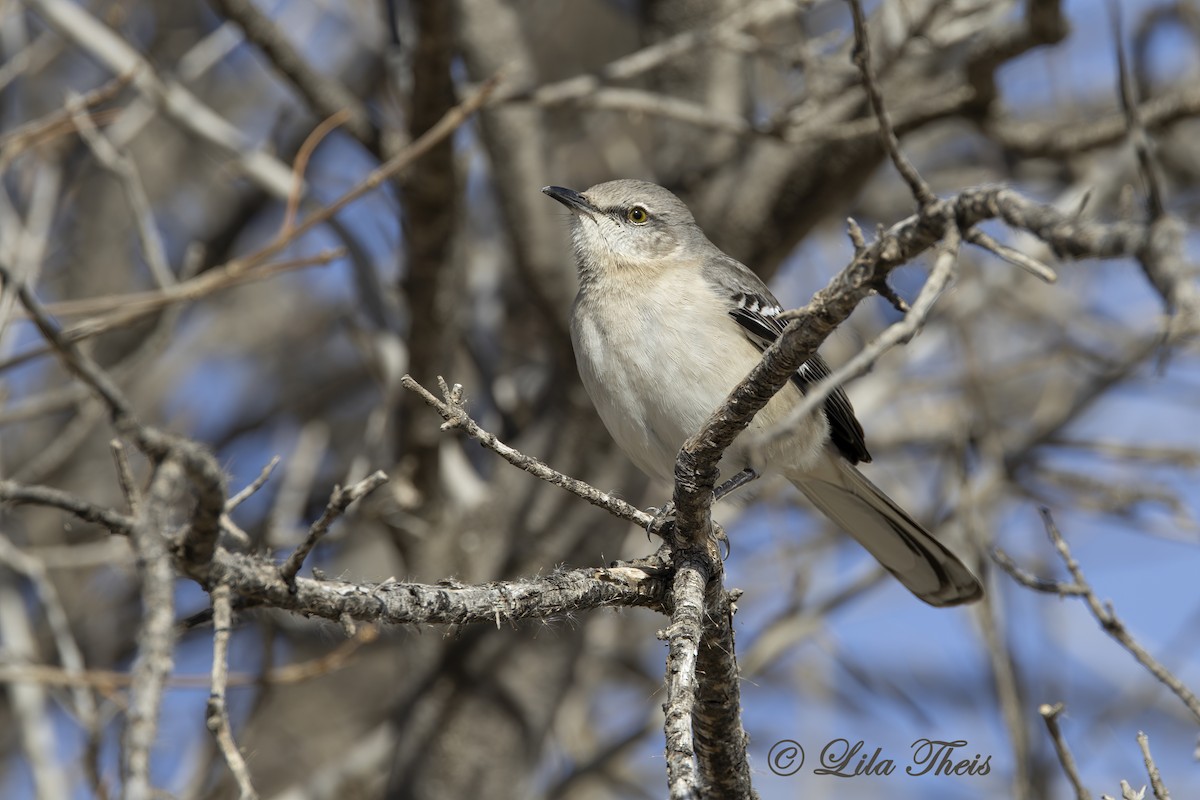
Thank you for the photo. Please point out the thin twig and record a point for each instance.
(156, 634)
(138, 304)
(1156, 784)
(231, 528)
(57, 121)
(1031, 581)
(18, 494)
(120, 164)
(455, 414)
(253, 486)
(448, 124)
(217, 713)
(630, 66)
(126, 309)
(69, 652)
(862, 59)
(1137, 131)
(1050, 714)
(129, 487)
(338, 503)
(110, 681)
(1112, 625)
(79, 364)
(1015, 257)
(300, 164)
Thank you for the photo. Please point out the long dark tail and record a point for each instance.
(908, 551)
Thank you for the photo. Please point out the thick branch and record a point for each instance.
(449, 603)
(683, 643)
(717, 716)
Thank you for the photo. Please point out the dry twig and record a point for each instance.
(217, 713)
(1050, 714)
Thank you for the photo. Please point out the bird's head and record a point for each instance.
(628, 225)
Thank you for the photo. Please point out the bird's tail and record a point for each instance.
(908, 551)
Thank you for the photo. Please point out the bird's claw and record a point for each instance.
(723, 540)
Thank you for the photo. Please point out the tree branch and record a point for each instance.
(156, 635)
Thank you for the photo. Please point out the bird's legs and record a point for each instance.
(667, 512)
(733, 484)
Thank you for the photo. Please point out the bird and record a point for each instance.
(665, 325)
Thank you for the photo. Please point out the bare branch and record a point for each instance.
(123, 167)
(1059, 140)
(217, 714)
(862, 59)
(30, 705)
(156, 634)
(720, 739)
(57, 122)
(129, 487)
(200, 539)
(454, 412)
(1014, 257)
(17, 494)
(1137, 131)
(758, 13)
(1156, 784)
(683, 638)
(69, 653)
(1050, 714)
(1112, 625)
(449, 603)
(1031, 581)
(326, 95)
(253, 486)
(338, 503)
(183, 107)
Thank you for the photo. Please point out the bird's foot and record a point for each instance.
(657, 563)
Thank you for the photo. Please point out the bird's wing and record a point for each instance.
(757, 311)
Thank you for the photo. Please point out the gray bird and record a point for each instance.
(665, 325)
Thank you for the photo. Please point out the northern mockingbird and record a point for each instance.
(665, 325)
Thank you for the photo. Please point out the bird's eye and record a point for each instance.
(637, 215)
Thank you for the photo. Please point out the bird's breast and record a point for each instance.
(657, 363)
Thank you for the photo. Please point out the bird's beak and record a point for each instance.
(570, 198)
